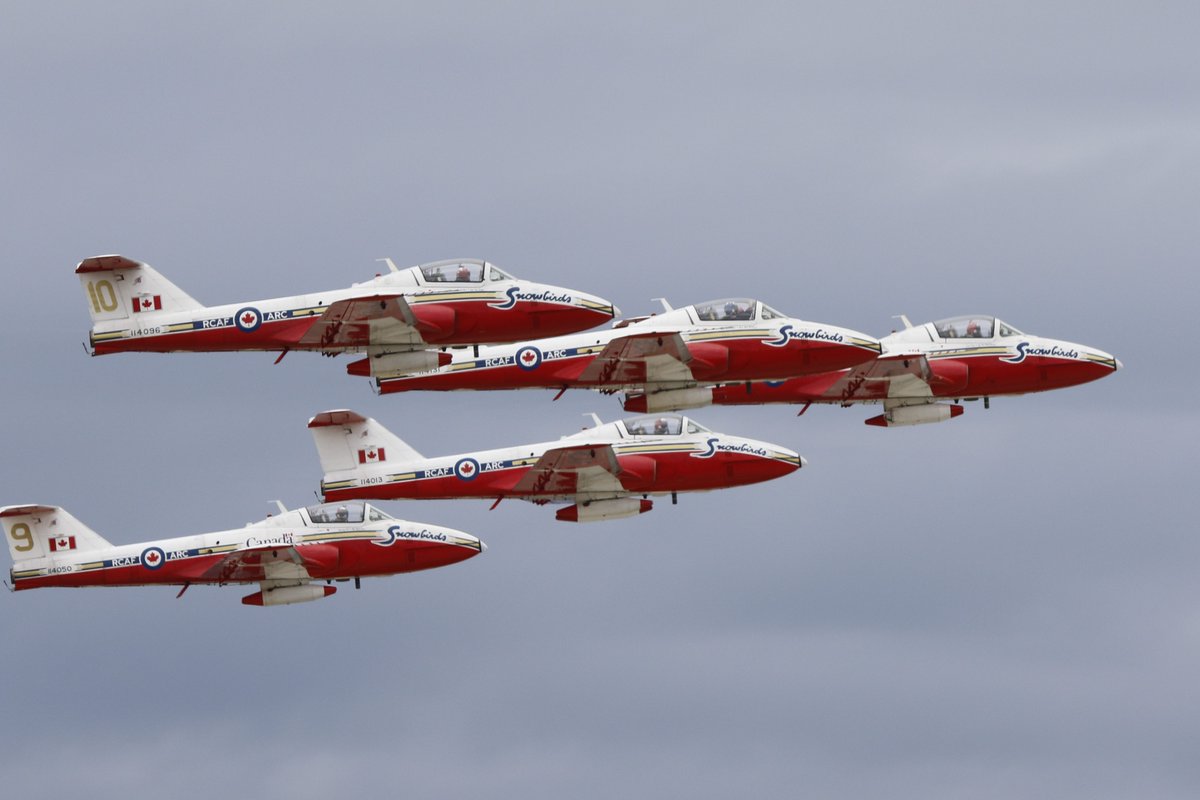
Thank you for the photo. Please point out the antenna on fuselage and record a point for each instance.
(279, 504)
(666, 306)
(391, 264)
(903, 318)
(595, 418)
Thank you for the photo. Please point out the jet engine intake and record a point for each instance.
(948, 375)
(709, 360)
(435, 321)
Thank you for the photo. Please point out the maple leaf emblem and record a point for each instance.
(152, 558)
(63, 541)
(372, 455)
(468, 468)
(247, 318)
(146, 302)
(528, 357)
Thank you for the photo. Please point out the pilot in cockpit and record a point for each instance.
(463, 274)
(662, 427)
(343, 514)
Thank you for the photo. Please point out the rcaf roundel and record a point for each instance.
(248, 319)
(153, 557)
(529, 357)
(466, 469)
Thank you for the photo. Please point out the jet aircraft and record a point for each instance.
(397, 318)
(293, 556)
(921, 367)
(600, 470)
(668, 361)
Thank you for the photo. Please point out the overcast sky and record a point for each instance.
(1005, 605)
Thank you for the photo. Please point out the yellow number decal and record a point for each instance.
(104, 297)
(21, 533)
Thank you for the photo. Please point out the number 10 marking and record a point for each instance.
(104, 297)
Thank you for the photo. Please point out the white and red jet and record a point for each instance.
(600, 471)
(293, 556)
(397, 319)
(665, 362)
(963, 358)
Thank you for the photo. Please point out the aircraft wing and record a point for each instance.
(640, 359)
(587, 469)
(379, 319)
(273, 563)
(910, 377)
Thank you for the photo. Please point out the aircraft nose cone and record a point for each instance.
(1111, 360)
(786, 461)
(597, 304)
(562, 311)
(833, 348)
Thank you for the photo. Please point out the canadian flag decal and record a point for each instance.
(372, 455)
(62, 543)
(147, 302)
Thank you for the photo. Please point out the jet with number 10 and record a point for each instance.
(663, 362)
(293, 556)
(599, 471)
(398, 319)
(924, 366)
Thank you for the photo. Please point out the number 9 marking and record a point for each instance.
(21, 533)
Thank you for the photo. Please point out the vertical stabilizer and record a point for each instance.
(347, 441)
(117, 287)
(46, 532)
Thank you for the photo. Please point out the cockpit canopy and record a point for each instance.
(462, 271)
(734, 309)
(351, 511)
(974, 327)
(661, 425)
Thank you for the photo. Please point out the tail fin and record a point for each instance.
(346, 441)
(46, 532)
(118, 287)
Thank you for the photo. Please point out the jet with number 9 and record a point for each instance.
(294, 556)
